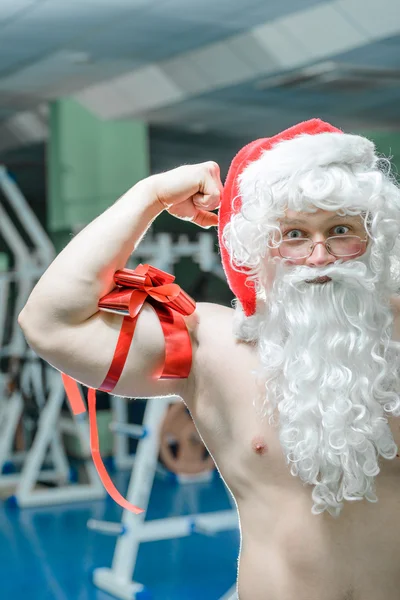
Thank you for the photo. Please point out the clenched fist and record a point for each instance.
(190, 192)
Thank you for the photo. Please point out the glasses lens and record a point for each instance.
(345, 245)
(295, 248)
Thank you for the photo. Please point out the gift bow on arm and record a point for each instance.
(134, 288)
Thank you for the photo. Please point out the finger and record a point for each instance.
(213, 170)
(210, 184)
(205, 219)
(207, 201)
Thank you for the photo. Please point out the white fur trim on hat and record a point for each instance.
(305, 152)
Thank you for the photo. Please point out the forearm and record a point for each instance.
(69, 291)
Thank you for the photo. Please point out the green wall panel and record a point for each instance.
(91, 163)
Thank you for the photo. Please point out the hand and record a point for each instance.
(191, 192)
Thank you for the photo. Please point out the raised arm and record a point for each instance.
(61, 320)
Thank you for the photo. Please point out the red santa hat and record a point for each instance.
(268, 160)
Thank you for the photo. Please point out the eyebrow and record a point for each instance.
(301, 222)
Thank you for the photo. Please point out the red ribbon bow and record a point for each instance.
(134, 288)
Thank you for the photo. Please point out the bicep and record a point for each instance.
(85, 352)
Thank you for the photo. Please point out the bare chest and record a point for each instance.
(244, 444)
(356, 557)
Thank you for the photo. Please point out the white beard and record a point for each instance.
(330, 373)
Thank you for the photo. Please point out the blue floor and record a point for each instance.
(49, 554)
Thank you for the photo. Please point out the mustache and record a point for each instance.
(352, 274)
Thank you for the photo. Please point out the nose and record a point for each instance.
(320, 256)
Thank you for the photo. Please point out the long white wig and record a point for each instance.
(342, 377)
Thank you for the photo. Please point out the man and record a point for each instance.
(309, 230)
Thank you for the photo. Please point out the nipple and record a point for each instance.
(259, 446)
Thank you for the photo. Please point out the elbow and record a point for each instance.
(26, 317)
(34, 334)
(27, 329)
(22, 321)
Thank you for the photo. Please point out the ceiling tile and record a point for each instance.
(53, 26)
(253, 53)
(12, 9)
(253, 14)
(104, 100)
(57, 21)
(378, 19)
(143, 89)
(220, 64)
(199, 13)
(233, 15)
(149, 87)
(309, 35)
(324, 31)
(62, 72)
(280, 44)
(113, 6)
(186, 74)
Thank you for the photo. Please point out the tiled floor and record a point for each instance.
(49, 554)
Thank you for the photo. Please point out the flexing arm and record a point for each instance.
(61, 320)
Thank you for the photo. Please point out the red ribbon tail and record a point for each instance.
(101, 470)
(178, 347)
(120, 354)
(73, 394)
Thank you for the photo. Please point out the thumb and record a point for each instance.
(205, 219)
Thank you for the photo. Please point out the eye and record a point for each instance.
(294, 231)
(341, 227)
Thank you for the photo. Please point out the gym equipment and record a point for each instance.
(32, 252)
(134, 530)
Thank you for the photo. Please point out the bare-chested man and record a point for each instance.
(295, 392)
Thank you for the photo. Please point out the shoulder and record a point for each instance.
(209, 310)
(208, 319)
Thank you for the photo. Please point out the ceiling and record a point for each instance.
(234, 67)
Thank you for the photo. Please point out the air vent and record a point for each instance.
(334, 77)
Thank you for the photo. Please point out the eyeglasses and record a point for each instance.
(343, 245)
